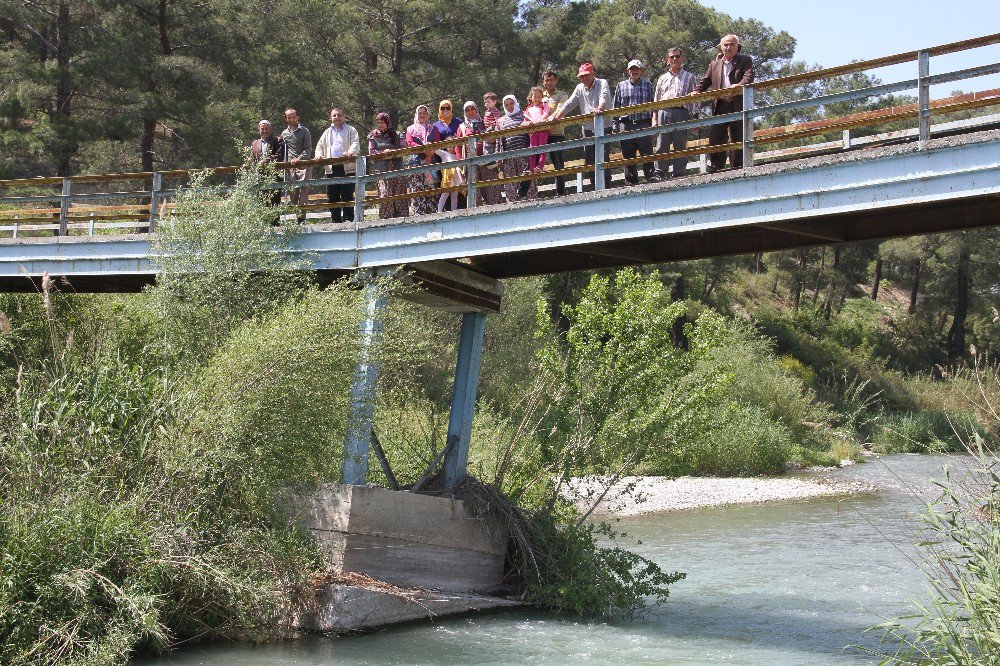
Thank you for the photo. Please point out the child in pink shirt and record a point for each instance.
(537, 112)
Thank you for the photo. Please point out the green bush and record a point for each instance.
(743, 441)
(923, 432)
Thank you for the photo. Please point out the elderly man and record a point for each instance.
(675, 82)
(635, 90)
(553, 97)
(298, 146)
(267, 148)
(730, 70)
(339, 140)
(592, 95)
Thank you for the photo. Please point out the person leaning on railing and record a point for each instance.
(730, 70)
(472, 125)
(418, 134)
(267, 148)
(675, 82)
(554, 97)
(443, 129)
(592, 95)
(339, 140)
(298, 146)
(635, 90)
(385, 137)
(515, 166)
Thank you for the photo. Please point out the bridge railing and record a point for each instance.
(72, 210)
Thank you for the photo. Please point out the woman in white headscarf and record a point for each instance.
(418, 134)
(515, 166)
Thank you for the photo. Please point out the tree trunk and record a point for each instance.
(758, 260)
(878, 279)
(66, 146)
(915, 288)
(956, 336)
(146, 142)
(680, 340)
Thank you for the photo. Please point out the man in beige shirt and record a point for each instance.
(554, 98)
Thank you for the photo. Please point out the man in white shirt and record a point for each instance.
(592, 95)
(339, 140)
(675, 82)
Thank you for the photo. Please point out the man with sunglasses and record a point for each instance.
(675, 82)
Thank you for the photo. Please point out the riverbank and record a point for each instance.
(637, 495)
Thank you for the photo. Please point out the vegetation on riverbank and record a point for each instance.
(960, 621)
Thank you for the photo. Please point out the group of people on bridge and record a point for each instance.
(729, 70)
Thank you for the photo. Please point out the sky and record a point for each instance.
(835, 33)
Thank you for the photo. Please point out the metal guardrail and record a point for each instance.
(92, 216)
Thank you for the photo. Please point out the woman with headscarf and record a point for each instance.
(447, 124)
(419, 134)
(382, 139)
(515, 166)
(471, 126)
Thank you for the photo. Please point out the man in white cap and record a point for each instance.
(267, 148)
(635, 90)
(593, 95)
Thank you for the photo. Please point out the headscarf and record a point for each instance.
(442, 103)
(390, 131)
(416, 114)
(517, 107)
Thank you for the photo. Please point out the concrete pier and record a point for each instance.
(436, 555)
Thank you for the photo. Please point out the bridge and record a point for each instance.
(934, 177)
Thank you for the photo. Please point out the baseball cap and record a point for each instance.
(635, 63)
(586, 68)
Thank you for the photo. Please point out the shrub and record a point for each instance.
(743, 441)
(923, 432)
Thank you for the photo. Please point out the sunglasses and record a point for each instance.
(446, 108)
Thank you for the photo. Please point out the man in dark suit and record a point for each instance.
(267, 148)
(729, 70)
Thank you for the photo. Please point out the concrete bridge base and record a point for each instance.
(348, 608)
(428, 556)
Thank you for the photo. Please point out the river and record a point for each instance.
(794, 582)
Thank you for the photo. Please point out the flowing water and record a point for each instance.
(793, 582)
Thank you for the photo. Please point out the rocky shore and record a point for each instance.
(636, 495)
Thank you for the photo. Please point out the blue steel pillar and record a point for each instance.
(355, 466)
(463, 397)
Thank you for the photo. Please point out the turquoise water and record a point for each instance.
(782, 583)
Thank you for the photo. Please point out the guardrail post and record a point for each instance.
(598, 152)
(470, 173)
(847, 139)
(748, 106)
(923, 97)
(67, 185)
(360, 170)
(354, 467)
(154, 200)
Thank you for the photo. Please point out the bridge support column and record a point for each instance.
(463, 397)
(354, 468)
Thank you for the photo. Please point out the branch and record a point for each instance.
(45, 42)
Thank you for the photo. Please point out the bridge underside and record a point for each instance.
(912, 220)
(875, 194)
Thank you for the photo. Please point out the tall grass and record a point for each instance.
(960, 623)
